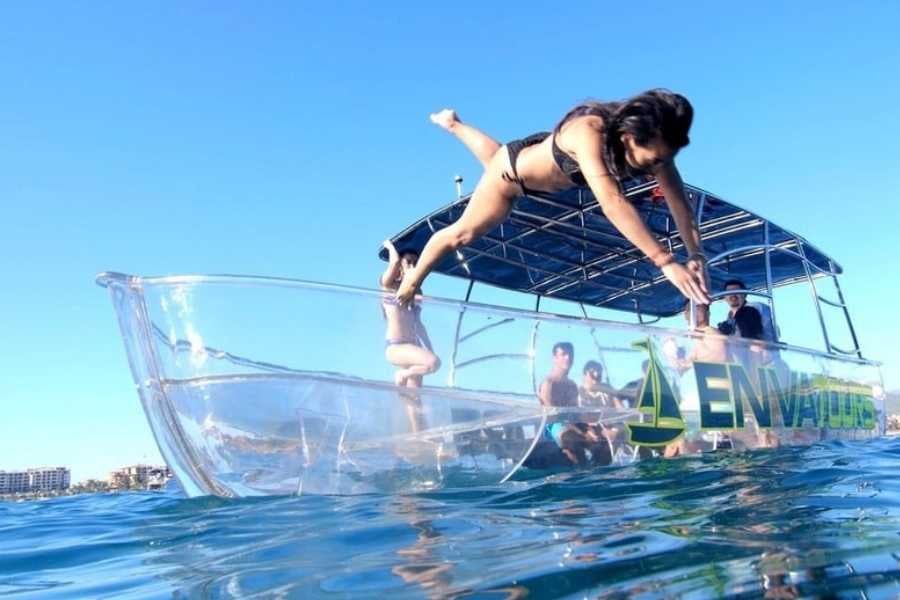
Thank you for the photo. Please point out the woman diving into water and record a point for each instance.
(595, 144)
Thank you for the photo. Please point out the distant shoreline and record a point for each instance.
(47, 494)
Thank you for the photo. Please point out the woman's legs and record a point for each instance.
(488, 207)
(479, 143)
(413, 362)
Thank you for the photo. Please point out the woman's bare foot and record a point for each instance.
(446, 119)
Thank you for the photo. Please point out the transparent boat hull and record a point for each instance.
(257, 386)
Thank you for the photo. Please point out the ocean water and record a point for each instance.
(822, 521)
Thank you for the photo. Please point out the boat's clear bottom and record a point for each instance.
(321, 434)
(288, 434)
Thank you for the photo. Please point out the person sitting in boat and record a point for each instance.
(738, 301)
(407, 345)
(574, 439)
(557, 389)
(735, 302)
(597, 144)
(592, 391)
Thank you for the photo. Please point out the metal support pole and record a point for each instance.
(815, 295)
(768, 255)
(597, 346)
(843, 302)
(458, 181)
(531, 349)
(700, 205)
(451, 376)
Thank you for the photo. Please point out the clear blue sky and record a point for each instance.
(210, 137)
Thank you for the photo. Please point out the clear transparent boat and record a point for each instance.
(263, 386)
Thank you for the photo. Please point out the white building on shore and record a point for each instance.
(35, 480)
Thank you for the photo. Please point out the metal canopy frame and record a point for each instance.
(562, 246)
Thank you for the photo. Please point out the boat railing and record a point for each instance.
(456, 364)
(812, 272)
(808, 266)
(474, 349)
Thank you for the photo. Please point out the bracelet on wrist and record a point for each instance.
(698, 256)
(663, 259)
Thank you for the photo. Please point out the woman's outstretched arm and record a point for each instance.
(587, 141)
(669, 180)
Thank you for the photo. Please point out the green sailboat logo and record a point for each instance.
(658, 401)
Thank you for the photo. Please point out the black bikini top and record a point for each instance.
(567, 164)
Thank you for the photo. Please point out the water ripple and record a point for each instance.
(819, 521)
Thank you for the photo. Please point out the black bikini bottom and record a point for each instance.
(514, 148)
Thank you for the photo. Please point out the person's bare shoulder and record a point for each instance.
(579, 128)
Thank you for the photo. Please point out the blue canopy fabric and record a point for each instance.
(562, 246)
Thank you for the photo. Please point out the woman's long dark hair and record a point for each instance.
(644, 116)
